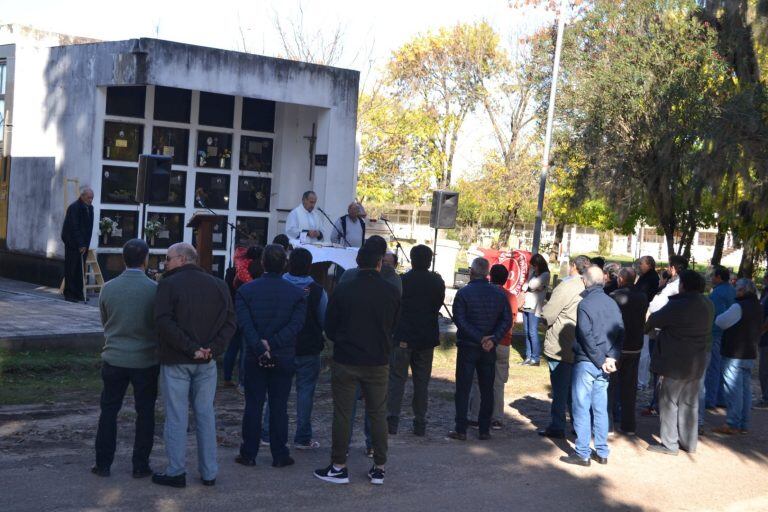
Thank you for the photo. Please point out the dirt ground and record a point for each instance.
(47, 450)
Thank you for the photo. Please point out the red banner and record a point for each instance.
(517, 262)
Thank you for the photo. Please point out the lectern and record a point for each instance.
(203, 223)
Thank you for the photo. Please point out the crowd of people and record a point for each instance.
(271, 321)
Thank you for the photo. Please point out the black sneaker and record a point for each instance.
(287, 461)
(334, 476)
(376, 475)
(171, 481)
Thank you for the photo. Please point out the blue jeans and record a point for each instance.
(182, 383)
(261, 384)
(307, 372)
(737, 375)
(589, 388)
(532, 342)
(703, 392)
(230, 357)
(560, 378)
(713, 378)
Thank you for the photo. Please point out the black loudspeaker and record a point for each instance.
(153, 183)
(445, 204)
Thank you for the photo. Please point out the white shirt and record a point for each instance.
(661, 298)
(301, 220)
(729, 317)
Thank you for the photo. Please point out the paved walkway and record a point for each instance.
(33, 316)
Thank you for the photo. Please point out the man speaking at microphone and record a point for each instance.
(304, 219)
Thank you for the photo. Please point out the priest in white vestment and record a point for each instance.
(304, 218)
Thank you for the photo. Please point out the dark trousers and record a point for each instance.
(468, 361)
(116, 380)
(622, 392)
(420, 362)
(372, 381)
(261, 384)
(763, 372)
(74, 263)
(679, 413)
(230, 358)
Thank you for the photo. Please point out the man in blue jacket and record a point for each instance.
(722, 296)
(599, 337)
(270, 312)
(482, 315)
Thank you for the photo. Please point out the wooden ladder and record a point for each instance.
(92, 270)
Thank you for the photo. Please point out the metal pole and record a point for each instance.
(548, 136)
(434, 252)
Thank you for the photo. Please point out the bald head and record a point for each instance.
(593, 276)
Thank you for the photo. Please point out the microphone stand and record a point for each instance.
(341, 235)
(399, 246)
(232, 229)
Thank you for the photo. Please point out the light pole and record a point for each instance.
(550, 119)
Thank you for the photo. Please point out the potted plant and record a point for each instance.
(151, 228)
(106, 225)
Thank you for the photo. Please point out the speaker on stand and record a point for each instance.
(153, 183)
(445, 205)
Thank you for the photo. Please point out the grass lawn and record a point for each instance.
(47, 376)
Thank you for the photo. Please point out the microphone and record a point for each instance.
(341, 235)
(384, 218)
(199, 200)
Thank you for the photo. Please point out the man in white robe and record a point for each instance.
(305, 219)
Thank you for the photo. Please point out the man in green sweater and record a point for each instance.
(127, 305)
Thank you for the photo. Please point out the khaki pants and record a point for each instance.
(373, 383)
(502, 376)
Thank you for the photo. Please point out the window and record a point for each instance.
(253, 194)
(169, 229)
(258, 115)
(118, 184)
(217, 266)
(173, 142)
(178, 190)
(214, 150)
(423, 217)
(219, 234)
(255, 154)
(126, 101)
(251, 230)
(124, 227)
(172, 104)
(213, 190)
(123, 141)
(707, 239)
(217, 109)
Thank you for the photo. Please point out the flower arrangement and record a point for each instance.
(106, 225)
(151, 228)
(202, 158)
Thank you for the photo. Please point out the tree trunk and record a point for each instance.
(747, 265)
(669, 235)
(717, 255)
(506, 228)
(559, 229)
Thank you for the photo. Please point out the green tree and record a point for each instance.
(442, 74)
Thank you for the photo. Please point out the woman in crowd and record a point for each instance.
(535, 289)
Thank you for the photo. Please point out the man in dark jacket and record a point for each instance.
(270, 313)
(599, 337)
(648, 282)
(483, 317)
(680, 358)
(195, 320)
(76, 235)
(416, 336)
(361, 316)
(622, 390)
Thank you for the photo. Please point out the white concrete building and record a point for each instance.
(249, 133)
